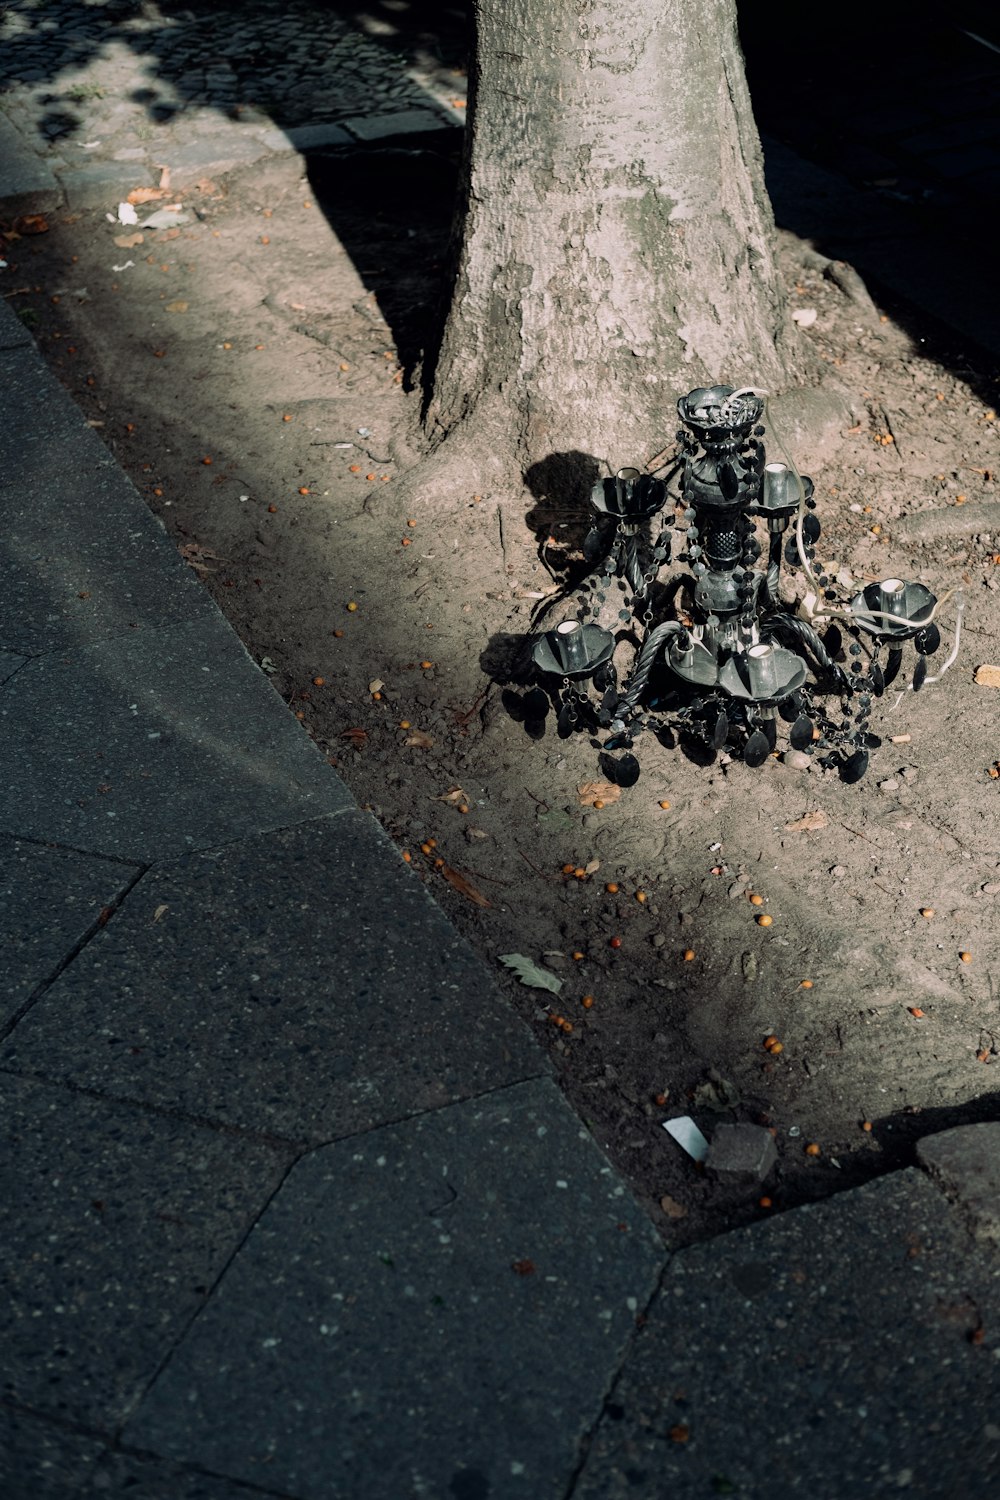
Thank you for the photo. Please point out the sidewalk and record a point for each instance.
(292, 1205)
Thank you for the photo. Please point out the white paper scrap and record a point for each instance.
(687, 1135)
(127, 214)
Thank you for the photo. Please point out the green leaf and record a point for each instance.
(530, 973)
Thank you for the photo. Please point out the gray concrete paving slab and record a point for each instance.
(71, 889)
(336, 997)
(965, 1163)
(80, 554)
(27, 184)
(9, 664)
(41, 1460)
(13, 333)
(154, 743)
(114, 1225)
(836, 1351)
(461, 1288)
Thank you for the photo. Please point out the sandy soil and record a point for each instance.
(253, 370)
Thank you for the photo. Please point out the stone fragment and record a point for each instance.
(741, 1153)
(965, 1164)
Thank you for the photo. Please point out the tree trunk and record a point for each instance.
(618, 240)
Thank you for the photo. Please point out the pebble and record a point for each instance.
(889, 785)
(991, 888)
(797, 759)
(838, 872)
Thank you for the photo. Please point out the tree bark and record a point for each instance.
(618, 241)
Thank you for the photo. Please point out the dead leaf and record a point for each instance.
(160, 913)
(147, 194)
(198, 557)
(987, 676)
(672, 1208)
(164, 178)
(597, 791)
(129, 241)
(592, 866)
(453, 796)
(420, 740)
(463, 886)
(811, 823)
(31, 224)
(179, 306)
(356, 736)
(376, 685)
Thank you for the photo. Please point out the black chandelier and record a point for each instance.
(718, 657)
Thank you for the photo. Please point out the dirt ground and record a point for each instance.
(254, 371)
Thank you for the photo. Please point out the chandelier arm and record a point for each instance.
(644, 664)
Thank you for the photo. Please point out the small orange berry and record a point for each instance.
(370, 476)
(404, 724)
(407, 856)
(777, 1049)
(352, 607)
(556, 1020)
(927, 911)
(426, 665)
(345, 367)
(339, 634)
(206, 461)
(598, 803)
(319, 682)
(355, 468)
(765, 1202)
(812, 1149)
(688, 955)
(272, 510)
(614, 942)
(756, 900)
(866, 1125)
(965, 957)
(577, 955)
(765, 920)
(580, 873)
(439, 864)
(568, 869)
(425, 848)
(287, 417)
(660, 1100)
(463, 807)
(377, 697)
(770, 1041)
(665, 805)
(612, 888)
(806, 984)
(915, 1011)
(566, 1026)
(433, 843)
(303, 489)
(640, 896)
(587, 1002)
(411, 522)
(407, 542)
